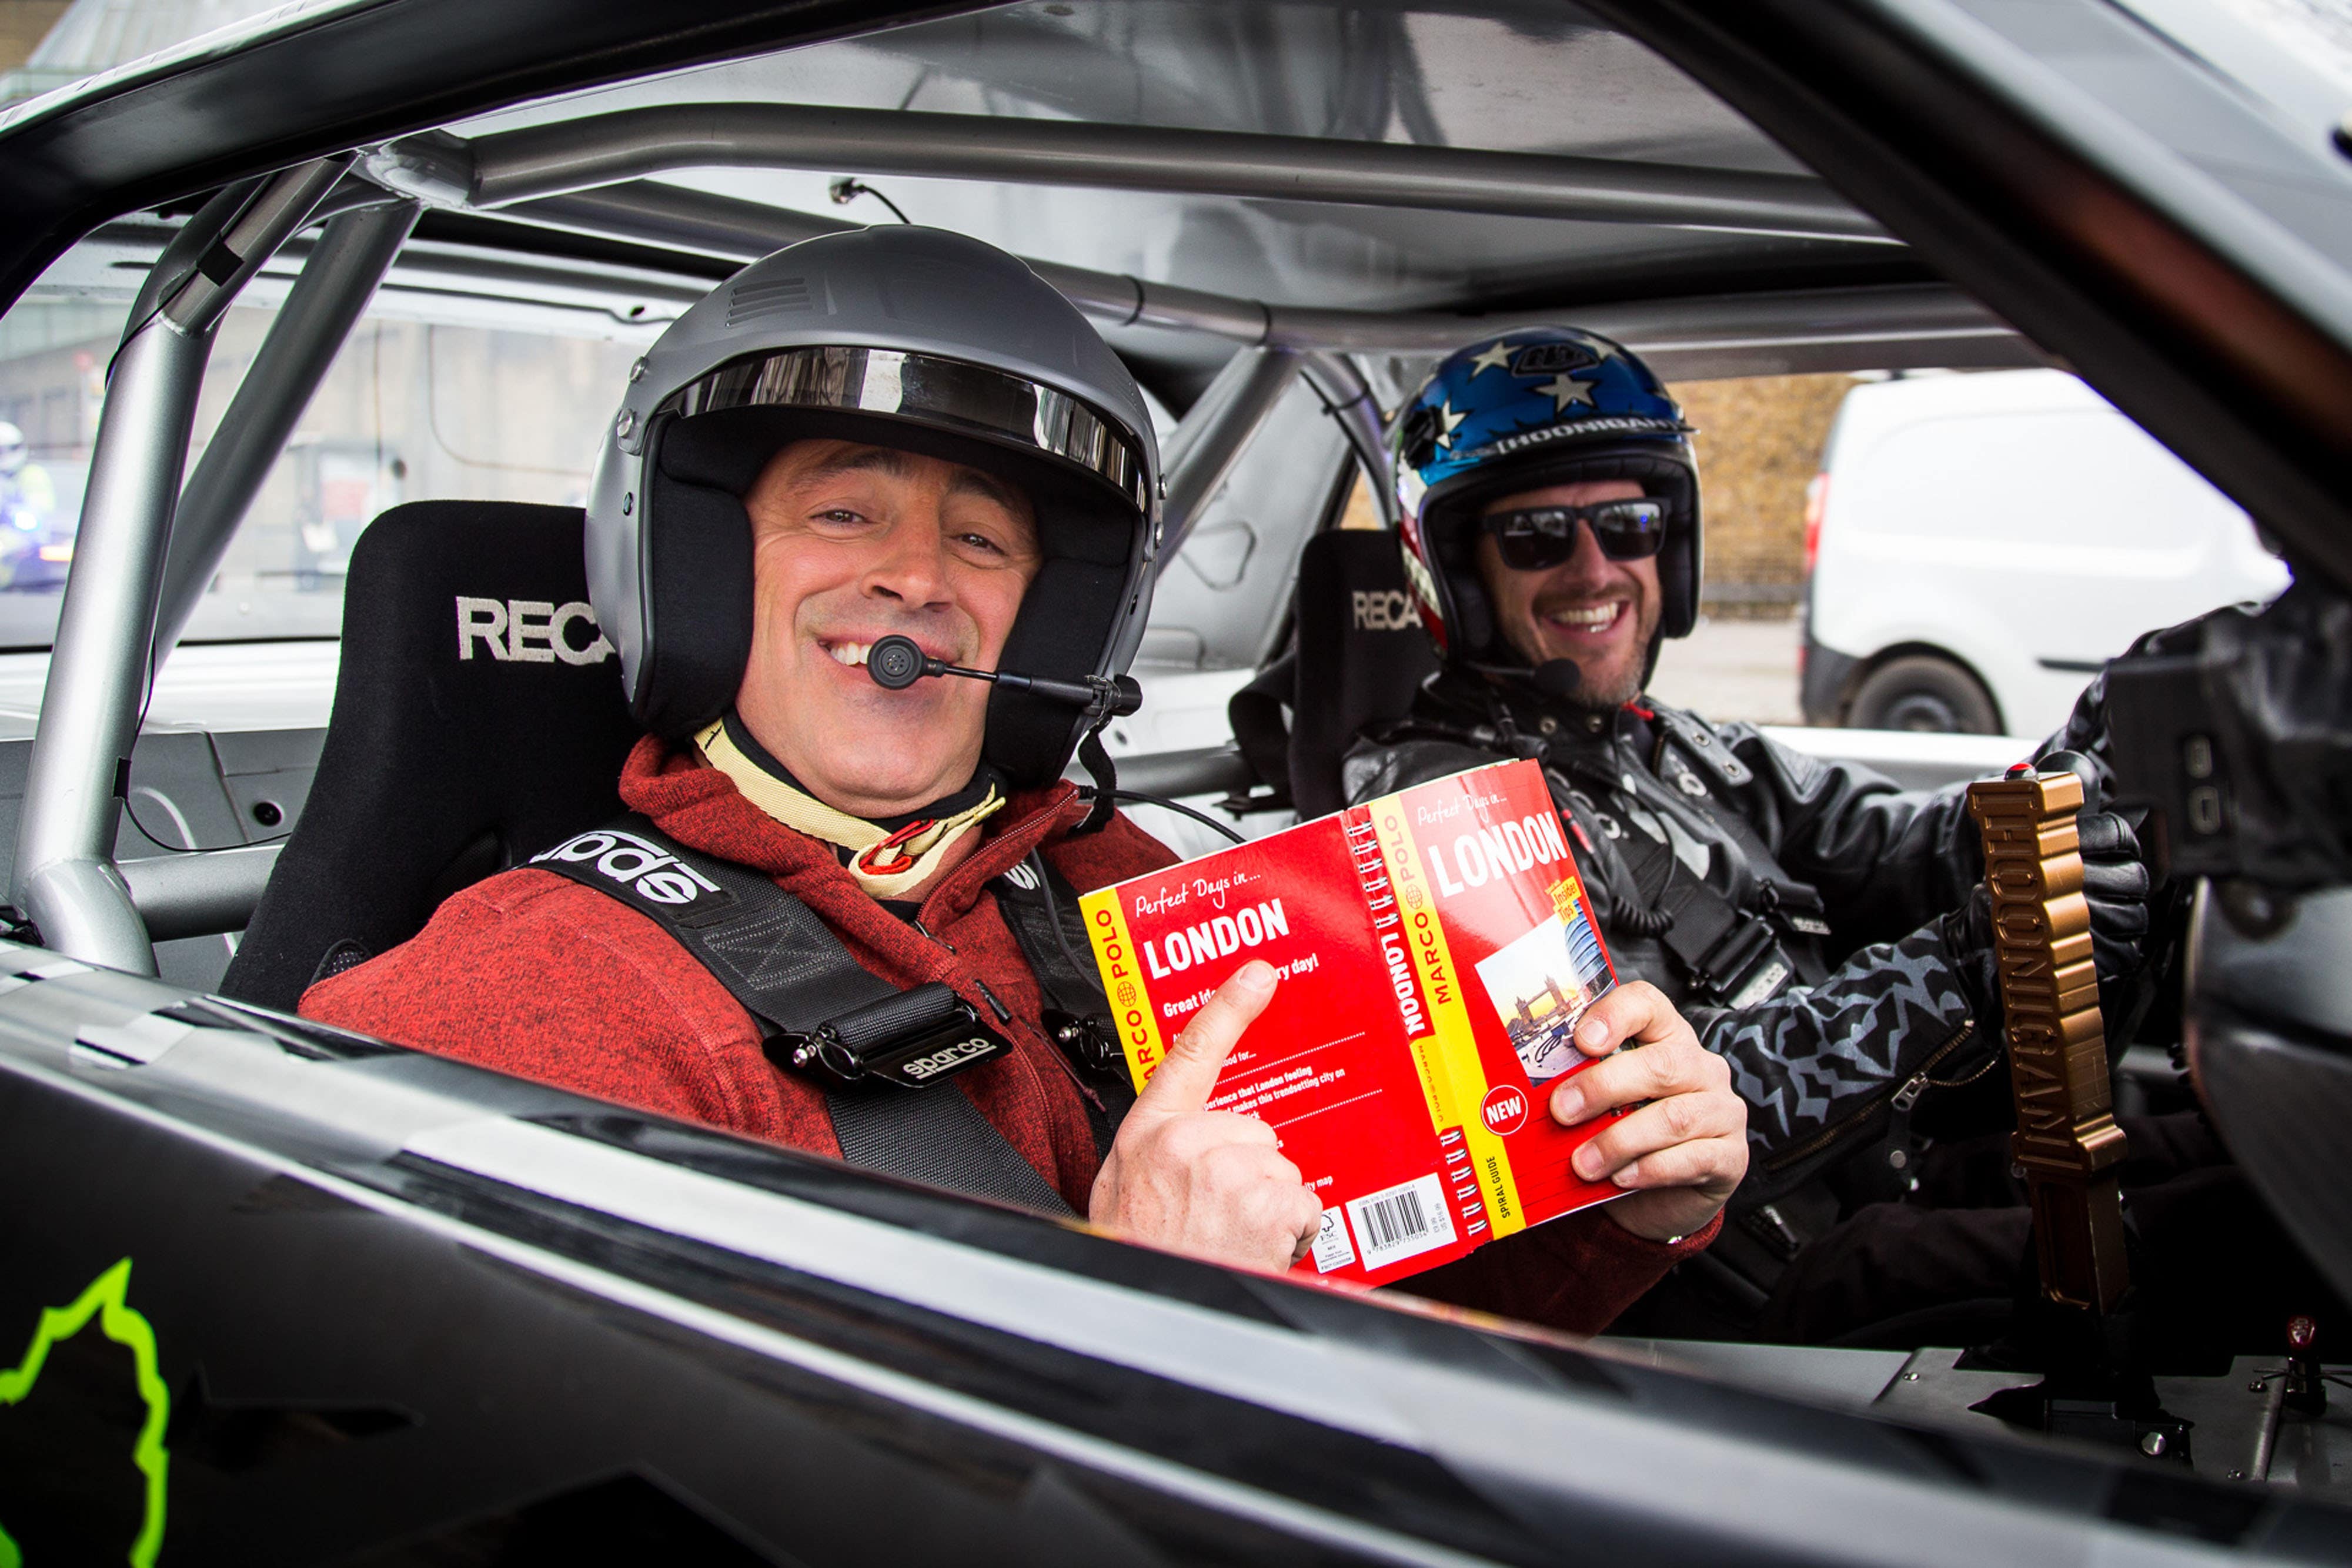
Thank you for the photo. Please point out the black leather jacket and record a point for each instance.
(1853, 879)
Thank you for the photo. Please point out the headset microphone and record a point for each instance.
(1558, 678)
(895, 663)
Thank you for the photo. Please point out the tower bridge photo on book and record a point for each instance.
(1540, 984)
(1405, 1092)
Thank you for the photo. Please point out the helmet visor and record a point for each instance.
(945, 394)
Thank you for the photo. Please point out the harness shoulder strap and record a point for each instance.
(1733, 957)
(1796, 905)
(1259, 728)
(1041, 908)
(778, 958)
(1702, 743)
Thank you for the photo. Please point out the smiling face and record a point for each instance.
(1597, 612)
(851, 544)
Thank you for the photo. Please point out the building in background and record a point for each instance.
(22, 25)
(1760, 443)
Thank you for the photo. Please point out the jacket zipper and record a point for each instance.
(1906, 1094)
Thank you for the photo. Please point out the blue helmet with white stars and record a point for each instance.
(1547, 406)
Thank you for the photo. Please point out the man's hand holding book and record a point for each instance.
(1683, 1152)
(1373, 1043)
(1209, 1183)
(1213, 1184)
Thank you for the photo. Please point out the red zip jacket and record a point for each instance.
(532, 974)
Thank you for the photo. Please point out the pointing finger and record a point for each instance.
(1184, 1080)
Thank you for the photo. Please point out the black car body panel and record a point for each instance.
(472, 1315)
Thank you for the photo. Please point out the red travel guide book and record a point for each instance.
(1434, 952)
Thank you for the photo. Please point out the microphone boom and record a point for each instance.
(895, 662)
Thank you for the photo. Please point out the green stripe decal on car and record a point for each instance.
(105, 1299)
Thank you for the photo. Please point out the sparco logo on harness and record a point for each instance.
(647, 868)
(923, 1068)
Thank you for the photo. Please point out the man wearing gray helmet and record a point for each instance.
(903, 433)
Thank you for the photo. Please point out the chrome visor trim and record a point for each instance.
(949, 395)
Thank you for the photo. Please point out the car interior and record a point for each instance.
(1280, 218)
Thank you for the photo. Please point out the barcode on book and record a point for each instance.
(1402, 1222)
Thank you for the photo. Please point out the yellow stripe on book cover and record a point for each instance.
(1464, 1085)
(1130, 1000)
(1371, 864)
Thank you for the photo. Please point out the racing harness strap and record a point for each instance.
(1041, 908)
(821, 1012)
(1733, 957)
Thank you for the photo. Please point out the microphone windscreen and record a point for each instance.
(895, 662)
(1558, 678)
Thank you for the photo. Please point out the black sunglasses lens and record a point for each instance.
(1536, 541)
(1629, 531)
(1541, 537)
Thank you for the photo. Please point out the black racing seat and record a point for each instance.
(1358, 657)
(479, 719)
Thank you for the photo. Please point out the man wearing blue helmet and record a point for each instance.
(1823, 930)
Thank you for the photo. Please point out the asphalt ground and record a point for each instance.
(1733, 669)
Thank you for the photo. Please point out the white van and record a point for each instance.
(1977, 545)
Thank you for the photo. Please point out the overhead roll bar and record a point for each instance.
(338, 279)
(1216, 433)
(600, 150)
(1774, 331)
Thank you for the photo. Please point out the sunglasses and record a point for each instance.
(1536, 538)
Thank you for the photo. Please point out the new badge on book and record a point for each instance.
(1434, 951)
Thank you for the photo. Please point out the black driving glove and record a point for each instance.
(2115, 885)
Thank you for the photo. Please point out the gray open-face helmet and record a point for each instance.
(903, 337)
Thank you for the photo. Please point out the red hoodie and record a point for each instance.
(532, 974)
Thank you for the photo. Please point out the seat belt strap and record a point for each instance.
(1032, 897)
(1732, 958)
(777, 957)
(1260, 731)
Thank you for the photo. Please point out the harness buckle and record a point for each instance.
(1087, 1040)
(1744, 966)
(910, 1041)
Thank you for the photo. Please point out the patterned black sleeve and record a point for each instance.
(1815, 1064)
